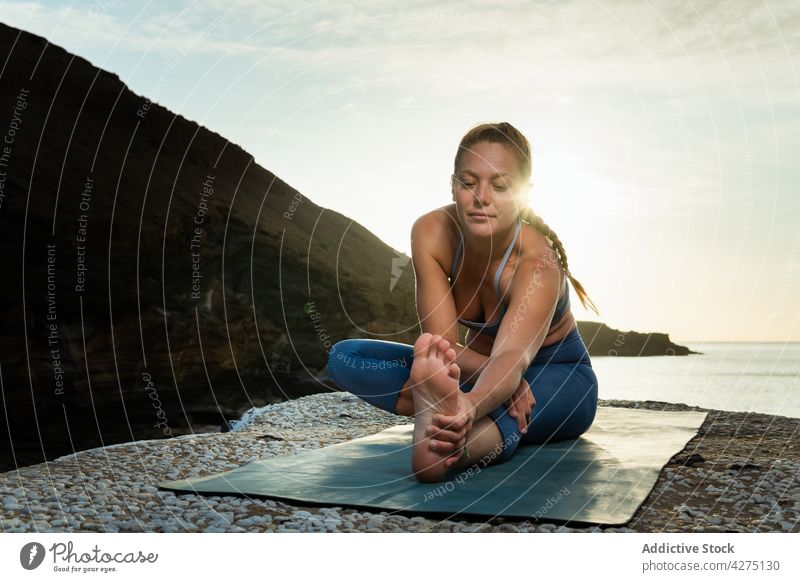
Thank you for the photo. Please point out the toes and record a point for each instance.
(423, 345)
(434, 350)
(454, 370)
(439, 346)
(434, 346)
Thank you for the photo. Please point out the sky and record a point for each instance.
(665, 135)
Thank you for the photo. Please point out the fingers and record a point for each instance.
(444, 435)
(519, 406)
(522, 422)
(521, 412)
(511, 404)
(451, 461)
(530, 402)
(449, 422)
(443, 448)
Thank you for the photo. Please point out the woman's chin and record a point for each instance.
(481, 228)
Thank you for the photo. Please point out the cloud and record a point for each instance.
(556, 40)
(153, 29)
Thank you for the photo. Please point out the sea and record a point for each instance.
(748, 377)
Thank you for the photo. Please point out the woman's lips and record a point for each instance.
(478, 216)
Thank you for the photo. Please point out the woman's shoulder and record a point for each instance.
(438, 224)
(437, 231)
(536, 246)
(442, 217)
(536, 252)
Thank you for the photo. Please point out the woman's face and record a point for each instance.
(488, 189)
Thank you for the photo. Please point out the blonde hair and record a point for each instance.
(509, 136)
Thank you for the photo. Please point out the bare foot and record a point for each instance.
(405, 400)
(434, 380)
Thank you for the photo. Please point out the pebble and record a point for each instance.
(375, 522)
(115, 489)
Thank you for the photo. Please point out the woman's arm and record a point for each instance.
(436, 307)
(534, 294)
(470, 362)
(534, 291)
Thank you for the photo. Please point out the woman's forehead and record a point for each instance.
(489, 159)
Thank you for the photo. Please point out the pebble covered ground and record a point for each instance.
(739, 474)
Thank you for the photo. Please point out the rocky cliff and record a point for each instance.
(155, 278)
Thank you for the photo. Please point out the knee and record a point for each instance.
(367, 355)
(340, 354)
(341, 349)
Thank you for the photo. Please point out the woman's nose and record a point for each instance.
(481, 193)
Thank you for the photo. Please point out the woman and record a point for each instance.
(508, 285)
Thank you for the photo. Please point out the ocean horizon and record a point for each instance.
(741, 376)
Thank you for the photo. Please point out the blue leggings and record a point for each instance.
(561, 378)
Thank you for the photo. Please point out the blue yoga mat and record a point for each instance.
(602, 477)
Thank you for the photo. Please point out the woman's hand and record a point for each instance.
(520, 405)
(449, 433)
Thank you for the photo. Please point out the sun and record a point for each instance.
(579, 192)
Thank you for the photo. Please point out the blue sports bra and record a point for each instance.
(492, 328)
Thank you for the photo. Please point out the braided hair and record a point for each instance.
(507, 135)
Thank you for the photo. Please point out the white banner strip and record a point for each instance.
(396, 556)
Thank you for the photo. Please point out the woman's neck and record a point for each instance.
(487, 250)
